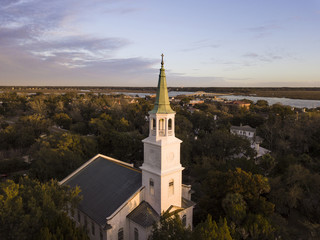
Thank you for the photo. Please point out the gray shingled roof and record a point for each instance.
(144, 215)
(105, 186)
(244, 128)
(185, 203)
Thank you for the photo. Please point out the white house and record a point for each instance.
(122, 202)
(250, 133)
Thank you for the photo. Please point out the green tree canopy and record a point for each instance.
(33, 210)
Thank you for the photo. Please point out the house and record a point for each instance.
(245, 131)
(250, 134)
(240, 104)
(123, 202)
(195, 101)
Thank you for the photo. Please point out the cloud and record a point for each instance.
(264, 30)
(37, 47)
(77, 51)
(200, 45)
(251, 55)
(120, 10)
(31, 26)
(269, 57)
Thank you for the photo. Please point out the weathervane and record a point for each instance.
(162, 59)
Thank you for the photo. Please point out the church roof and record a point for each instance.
(162, 104)
(144, 215)
(105, 184)
(185, 203)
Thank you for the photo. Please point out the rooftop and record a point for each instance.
(243, 128)
(144, 215)
(105, 184)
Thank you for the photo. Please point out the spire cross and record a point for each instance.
(162, 59)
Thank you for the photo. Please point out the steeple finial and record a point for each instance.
(162, 60)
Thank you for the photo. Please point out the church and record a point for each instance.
(121, 202)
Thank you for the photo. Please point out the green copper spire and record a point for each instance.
(162, 104)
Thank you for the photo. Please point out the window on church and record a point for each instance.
(120, 234)
(184, 220)
(101, 234)
(136, 234)
(85, 222)
(151, 185)
(79, 216)
(170, 124)
(171, 188)
(92, 228)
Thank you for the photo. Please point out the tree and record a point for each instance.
(239, 196)
(63, 120)
(170, 227)
(210, 230)
(33, 210)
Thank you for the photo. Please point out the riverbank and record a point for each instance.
(294, 94)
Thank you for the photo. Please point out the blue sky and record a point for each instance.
(207, 43)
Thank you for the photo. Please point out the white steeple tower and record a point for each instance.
(161, 170)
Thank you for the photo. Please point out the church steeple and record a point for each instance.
(162, 104)
(161, 169)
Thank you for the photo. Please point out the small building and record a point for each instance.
(195, 101)
(250, 134)
(245, 131)
(240, 104)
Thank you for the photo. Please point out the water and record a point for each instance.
(298, 103)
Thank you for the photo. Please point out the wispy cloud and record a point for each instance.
(200, 45)
(269, 57)
(120, 10)
(29, 23)
(34, 42)
(264, 30)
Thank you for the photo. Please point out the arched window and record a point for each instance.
(101, 234)
(170, 124)
(171, 188)
(184, 220)
(151, 185)
(120, 234)
(161, 124)
(136, 234)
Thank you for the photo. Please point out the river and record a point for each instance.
(298, 103)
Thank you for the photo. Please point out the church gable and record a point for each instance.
(144, 215)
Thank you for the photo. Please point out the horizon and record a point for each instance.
(119, 43)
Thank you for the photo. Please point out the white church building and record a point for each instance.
(122, 202)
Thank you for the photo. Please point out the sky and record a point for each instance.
(206, 43)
